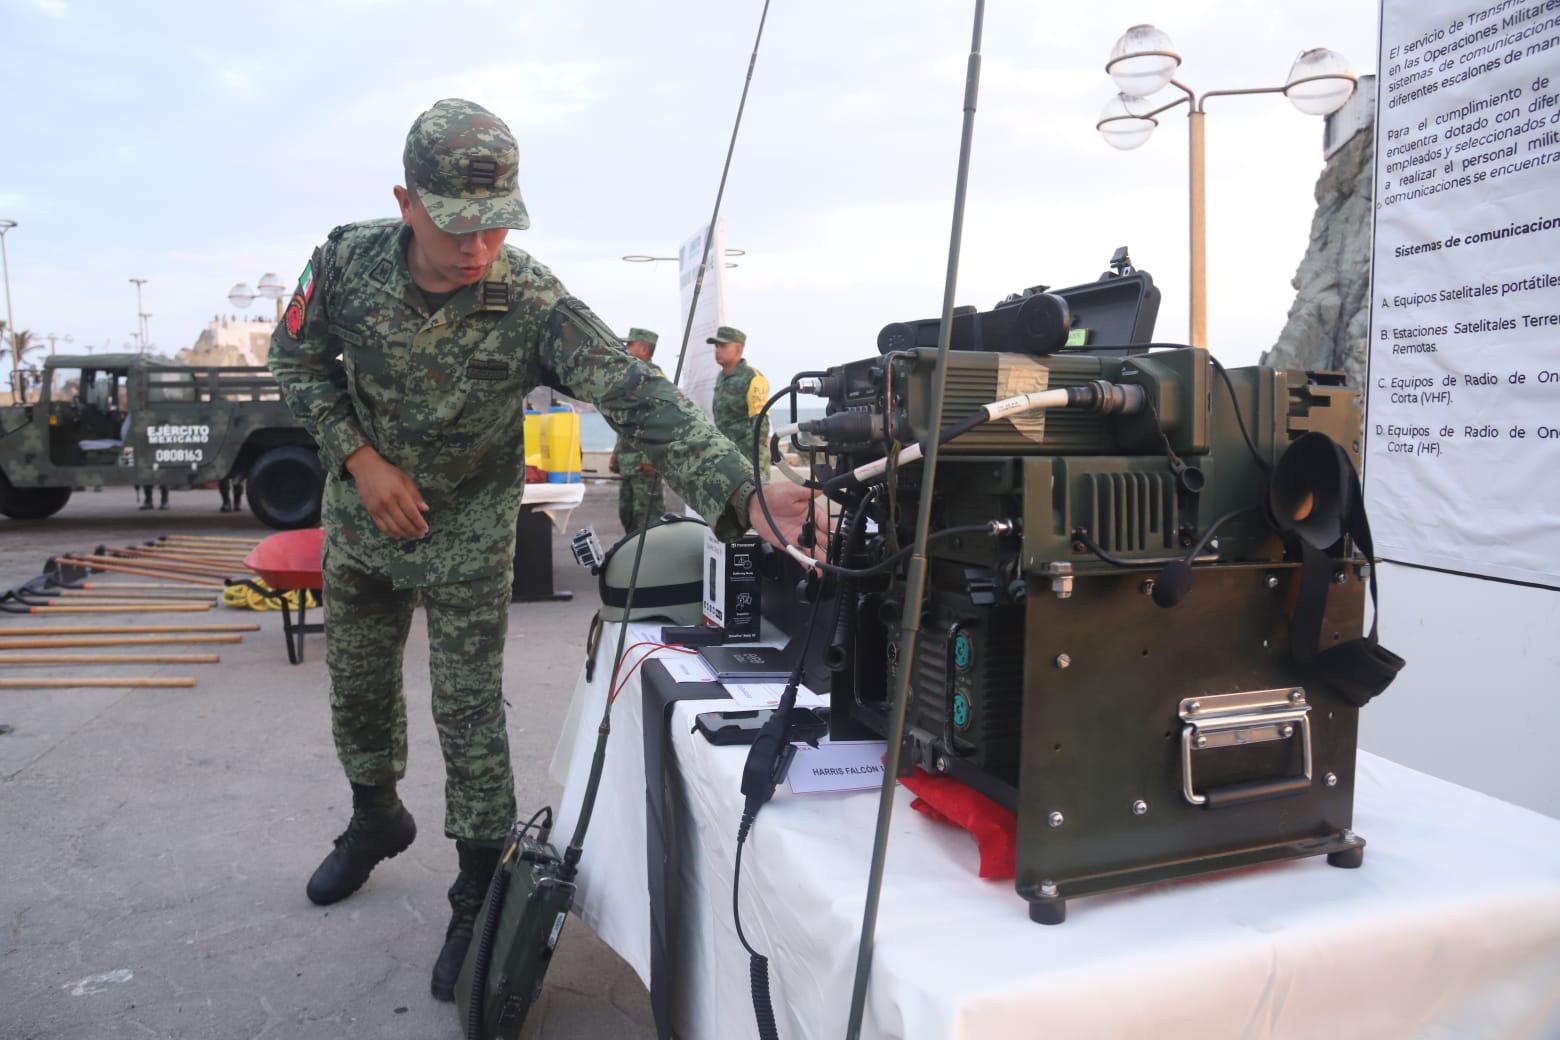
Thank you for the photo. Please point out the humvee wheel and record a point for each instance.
(31, 503)
(285, 488)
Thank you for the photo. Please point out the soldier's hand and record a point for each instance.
(790, 504)
(389, 495)
(647, 469)
(612, 462)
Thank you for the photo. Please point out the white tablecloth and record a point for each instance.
(1451, 928)
(556, 500)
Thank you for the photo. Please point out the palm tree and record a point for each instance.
(21, 345)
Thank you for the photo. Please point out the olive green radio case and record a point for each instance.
(517, 931)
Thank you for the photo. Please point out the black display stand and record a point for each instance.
(534, 560)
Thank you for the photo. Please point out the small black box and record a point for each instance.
(731, 590)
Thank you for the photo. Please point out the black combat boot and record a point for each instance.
(380, 828)
(477, 863)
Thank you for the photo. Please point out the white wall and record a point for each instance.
(1479, 700)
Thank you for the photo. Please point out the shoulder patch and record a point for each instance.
(757, 393)
(586, 320)
(297, 308)
(293, 317)
(380, 273)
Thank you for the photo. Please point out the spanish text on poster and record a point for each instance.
(1463, 428)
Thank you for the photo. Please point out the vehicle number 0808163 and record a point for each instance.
(195, 455)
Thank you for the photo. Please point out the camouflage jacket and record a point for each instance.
(361, 361)
(738, 398)
(629, 455)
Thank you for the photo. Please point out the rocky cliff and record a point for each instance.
(1330, 318)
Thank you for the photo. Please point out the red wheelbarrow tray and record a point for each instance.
(290, 560)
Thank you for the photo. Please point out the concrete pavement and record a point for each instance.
(154, 844)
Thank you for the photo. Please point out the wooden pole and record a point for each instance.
(181, 550)
(122, 568)
(143, 604)
(117, 585)
(170, 682)
(97, 630)
(70, 643)
(191, 539)
(10, 659)
(239, 538)
(132, 594)
(200, 560)
(139, 608)
(167, 566)
(184, 550)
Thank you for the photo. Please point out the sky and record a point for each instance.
(197, 145)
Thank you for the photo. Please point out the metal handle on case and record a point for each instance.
(1248, 717)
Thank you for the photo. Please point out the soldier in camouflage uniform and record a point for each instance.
(407, 350)
(740, 393)
(641, 493)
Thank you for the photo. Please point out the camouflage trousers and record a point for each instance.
(367, 620)
(636, 494)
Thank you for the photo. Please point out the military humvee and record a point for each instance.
(115, 420)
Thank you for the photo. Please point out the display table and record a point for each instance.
(1450, 929)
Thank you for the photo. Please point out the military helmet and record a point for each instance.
(671, 574)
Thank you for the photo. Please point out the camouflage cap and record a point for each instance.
(641, 336)
(464, 161)
(727, 334)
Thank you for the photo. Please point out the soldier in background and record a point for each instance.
(641, 493)
(740, 393)
(232, 491)
(407, 351)
(146, 489)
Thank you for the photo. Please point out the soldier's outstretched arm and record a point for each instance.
(707, 470)
(702, 466)
(308, 366)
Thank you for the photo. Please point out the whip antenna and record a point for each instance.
(571, 855)
(915, 578)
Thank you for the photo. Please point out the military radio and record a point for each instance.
(1144, 588)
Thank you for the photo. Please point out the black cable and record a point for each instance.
(1081, 536)
(758, 964)
(497, 887)
(887, 563)
(766, 763)
(1240, 420)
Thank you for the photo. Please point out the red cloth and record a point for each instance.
(994, 828)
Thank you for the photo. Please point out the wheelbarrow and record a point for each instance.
(289, 562)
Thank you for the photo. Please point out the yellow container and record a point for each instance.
(561, 446)
(534, 455)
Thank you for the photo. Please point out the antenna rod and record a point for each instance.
(915, 578)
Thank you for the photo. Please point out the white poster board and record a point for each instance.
(699, 370)
(1463, 427)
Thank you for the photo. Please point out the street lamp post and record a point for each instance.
(1143, 62)
(644, 258)
(52, 337)
(7, 224)
(140, 314)
(269, 286)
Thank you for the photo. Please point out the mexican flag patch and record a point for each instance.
(306, 281)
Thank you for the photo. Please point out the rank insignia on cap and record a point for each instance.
(294, 315)
(481, 172)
